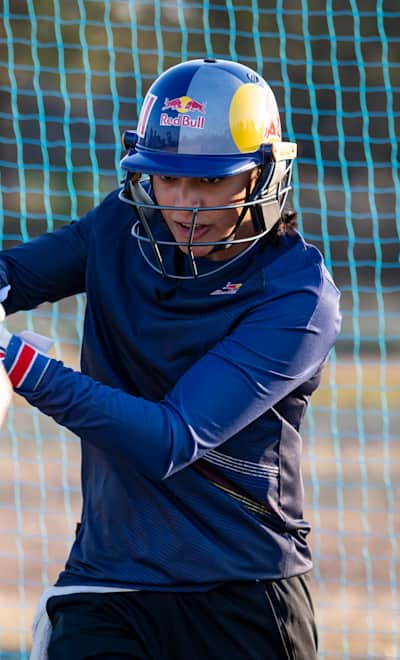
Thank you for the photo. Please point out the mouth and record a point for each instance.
(184, 229)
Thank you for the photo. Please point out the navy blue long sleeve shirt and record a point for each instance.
(188, 404)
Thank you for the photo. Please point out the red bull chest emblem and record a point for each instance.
(190, 112)
(229, 289)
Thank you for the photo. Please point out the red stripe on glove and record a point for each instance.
(22, 364)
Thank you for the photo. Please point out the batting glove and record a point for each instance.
(4, 292)
(23, 356)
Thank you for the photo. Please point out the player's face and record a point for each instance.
(211, 226)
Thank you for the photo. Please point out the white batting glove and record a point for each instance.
(5, 336)
(40, 342)
(4, 292)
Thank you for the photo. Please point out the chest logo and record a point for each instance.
(229, 289)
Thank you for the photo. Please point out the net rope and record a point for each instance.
(72, 78)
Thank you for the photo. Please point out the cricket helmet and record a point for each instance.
(208, 118)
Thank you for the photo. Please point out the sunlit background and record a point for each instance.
(72, 78)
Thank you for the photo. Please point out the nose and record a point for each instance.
(186, 193)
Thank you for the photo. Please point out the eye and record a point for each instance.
(167, 178)
(211, 179)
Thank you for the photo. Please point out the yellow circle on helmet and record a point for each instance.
(251, 117)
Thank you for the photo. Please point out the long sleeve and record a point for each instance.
(46, 268)
(271, 353)
(189, 408)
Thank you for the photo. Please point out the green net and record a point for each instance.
(72, 77)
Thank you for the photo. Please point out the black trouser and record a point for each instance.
(237, 621)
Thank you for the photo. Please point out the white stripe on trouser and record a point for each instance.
(41, 626)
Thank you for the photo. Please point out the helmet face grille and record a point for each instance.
(155, 240)
(213, 119)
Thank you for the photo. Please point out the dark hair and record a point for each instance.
(287, 224)
(288, 221)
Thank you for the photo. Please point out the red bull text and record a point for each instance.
(182, 120)
(183, 105)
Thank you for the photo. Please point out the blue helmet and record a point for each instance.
(207, 118)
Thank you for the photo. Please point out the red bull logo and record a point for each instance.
(184, 104)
